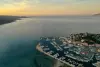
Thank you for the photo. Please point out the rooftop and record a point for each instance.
(65, 48)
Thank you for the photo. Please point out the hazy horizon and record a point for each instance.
(49, 7)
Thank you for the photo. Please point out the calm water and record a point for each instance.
(18, 39)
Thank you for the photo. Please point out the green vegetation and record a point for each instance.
(87, 37)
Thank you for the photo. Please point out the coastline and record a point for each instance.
(9, 19)
(58, 61)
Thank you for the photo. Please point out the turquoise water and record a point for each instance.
(18, 46)
(23, 56)
(19, 39)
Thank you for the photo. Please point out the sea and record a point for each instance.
(18, 39)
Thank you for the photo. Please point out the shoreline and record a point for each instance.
(9, 19)
(58, 61)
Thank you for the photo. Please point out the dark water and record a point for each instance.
(18, 39)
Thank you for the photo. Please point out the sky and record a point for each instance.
(49, 7)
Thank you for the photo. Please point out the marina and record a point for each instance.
(65, 50)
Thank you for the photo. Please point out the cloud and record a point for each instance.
(34, 7)
(36, 2)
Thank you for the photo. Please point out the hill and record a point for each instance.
(98, 14)
(9, 19)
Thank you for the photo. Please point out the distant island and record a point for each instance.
(9, 19)
(98, 14)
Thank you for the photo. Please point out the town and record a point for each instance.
(82, 49)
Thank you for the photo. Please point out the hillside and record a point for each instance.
(9, 19)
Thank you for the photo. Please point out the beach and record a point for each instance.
(57, 62)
